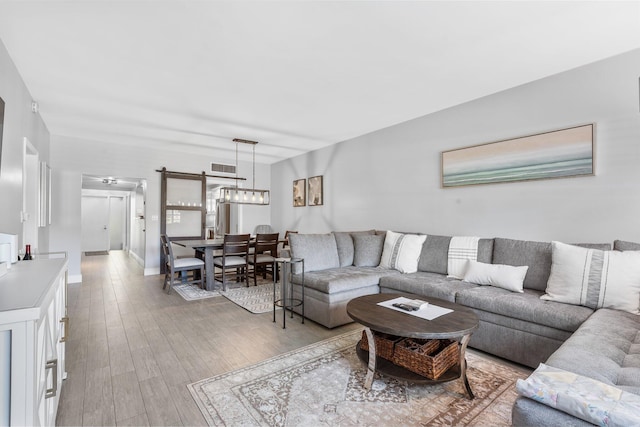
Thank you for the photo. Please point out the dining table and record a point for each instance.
(208, 246)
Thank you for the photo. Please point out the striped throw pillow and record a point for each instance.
(402, 251)
(594, 278)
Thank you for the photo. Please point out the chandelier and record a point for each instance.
(246, 196)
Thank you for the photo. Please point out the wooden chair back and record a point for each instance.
(286, 236)
(236, 245)
(267, 243)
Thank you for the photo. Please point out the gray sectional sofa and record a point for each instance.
(602, 344)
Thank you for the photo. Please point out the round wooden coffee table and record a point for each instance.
(457, 325)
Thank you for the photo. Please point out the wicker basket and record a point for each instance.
(429, 358)
(385, 344)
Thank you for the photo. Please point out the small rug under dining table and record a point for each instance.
(255, 299)
(321, 384)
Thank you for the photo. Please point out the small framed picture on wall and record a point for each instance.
(299, 192)
(315, 191)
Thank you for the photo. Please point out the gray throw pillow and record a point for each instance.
(367, 249)
(345, 245)
(319, 251)
(621, 245)
(435, 254)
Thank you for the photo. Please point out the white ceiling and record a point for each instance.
(296, 76)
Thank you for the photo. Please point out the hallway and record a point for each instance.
(132, 348)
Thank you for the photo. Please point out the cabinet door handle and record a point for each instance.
(65, 322)
(52, 364)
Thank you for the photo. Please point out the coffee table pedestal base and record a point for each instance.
(388, 368)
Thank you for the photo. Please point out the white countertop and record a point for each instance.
(27, 286)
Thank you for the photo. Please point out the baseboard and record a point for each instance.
(151, 271)
(135, 256)
(75, 278)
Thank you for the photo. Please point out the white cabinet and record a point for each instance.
(34, 323)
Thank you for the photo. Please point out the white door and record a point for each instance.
(95, 223)
(116, 223)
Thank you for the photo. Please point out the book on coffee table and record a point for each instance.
(406, 305)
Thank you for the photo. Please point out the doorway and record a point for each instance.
(95, 223)
(113, 212)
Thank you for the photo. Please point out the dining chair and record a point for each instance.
(178, 266)
(262, 229)
(235, 255)
(284, 250)
(286, 236)
(263, 256)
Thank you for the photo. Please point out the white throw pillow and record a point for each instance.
(594, 278)
(402, 251)
(501, 276)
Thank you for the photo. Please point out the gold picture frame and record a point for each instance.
(299, 192)
(316, 196)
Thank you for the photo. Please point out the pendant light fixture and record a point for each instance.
(246, 196)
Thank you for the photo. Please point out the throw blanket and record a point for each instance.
(461, 249)
(584, 398)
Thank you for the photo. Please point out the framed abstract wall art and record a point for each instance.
(299, 192)
(315, 191)
(556, 154)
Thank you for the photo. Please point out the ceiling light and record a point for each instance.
(245, 196)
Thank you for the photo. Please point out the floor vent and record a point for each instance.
(222, 168)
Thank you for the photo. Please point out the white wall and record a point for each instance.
(19, 122)
(80, 157)
(66, 226)
(390, 179)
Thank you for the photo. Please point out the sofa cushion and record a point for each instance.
(342, 279)
(344, 242)
(535, 255)
(425, 284)
(402, 251)
(319, 251)
(525, 306)
(499, 275)
(621, 245)
(435, 253)
(594, 278)
(606, 348)
(367, 249)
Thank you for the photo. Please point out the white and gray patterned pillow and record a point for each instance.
(594, 278)
(402, 251)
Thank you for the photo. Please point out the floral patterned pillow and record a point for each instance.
(582, 397)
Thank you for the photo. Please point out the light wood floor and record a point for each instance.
(133, 349)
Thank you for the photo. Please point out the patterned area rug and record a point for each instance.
(194, 292)
(256, 299)
(321, 384)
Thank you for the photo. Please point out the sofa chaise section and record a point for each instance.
(337, 269)
(606, 347)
